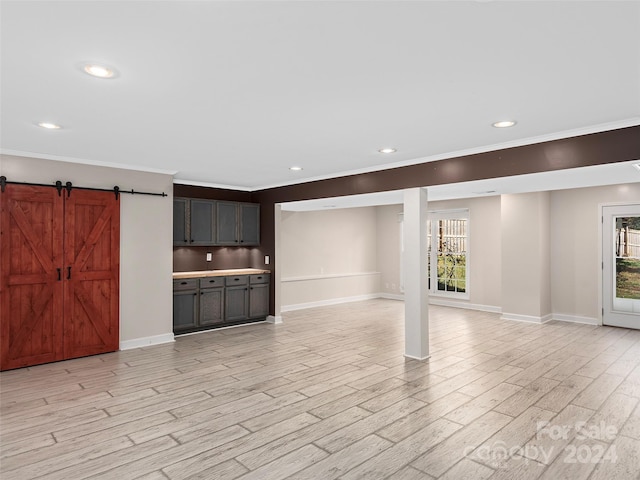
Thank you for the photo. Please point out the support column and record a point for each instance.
(416, 301)
(275, 275)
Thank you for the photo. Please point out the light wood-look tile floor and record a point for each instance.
(328, 394)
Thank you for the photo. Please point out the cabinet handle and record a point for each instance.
(212, 281)
(259, 278)
(191, 240)
(59, 273)
(183, 283)
(68, 273)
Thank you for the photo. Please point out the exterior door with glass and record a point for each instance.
(621, 265)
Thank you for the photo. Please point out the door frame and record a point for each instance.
(601, 207)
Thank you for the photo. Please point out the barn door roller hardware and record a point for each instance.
(68, 186)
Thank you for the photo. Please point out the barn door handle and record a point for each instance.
(59, 273)
(68, 273)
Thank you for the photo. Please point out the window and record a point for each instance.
(448, 253)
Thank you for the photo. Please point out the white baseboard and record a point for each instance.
(275, 319)
(469, 306)
(420, 359)
(392, 296)
(146, 341)
(444, 303)
(526, 318)
(561, 317)
(213, 330)
(331, 301)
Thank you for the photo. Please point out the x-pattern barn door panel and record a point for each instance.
(91, 277)
(59, 276)
(31, 298)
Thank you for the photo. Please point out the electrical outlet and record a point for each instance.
(266, 259)
(209, 256)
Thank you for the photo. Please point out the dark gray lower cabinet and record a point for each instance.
(236, 301)
(259, 295)
(259, 300)
(210, 302)
(185, 308)
(211, 306)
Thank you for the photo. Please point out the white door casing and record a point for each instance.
(620, 307)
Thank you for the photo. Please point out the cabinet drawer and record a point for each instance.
(260, 278)
(211, 282)
(236, 280)
(185, 284)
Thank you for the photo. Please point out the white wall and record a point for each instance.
(575, 246)
(525, 256)
(567, 282)
(314, 243)
(388, 248)
(145, 239)
(327, 255)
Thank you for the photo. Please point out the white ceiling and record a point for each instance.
(233, 93)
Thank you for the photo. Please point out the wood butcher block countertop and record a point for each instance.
(220, 273)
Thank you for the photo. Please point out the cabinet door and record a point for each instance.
(91, 273)
(249, 224)
(180, 231)
(184, 310)
(227, 223)
(211, 306)
(259, 300)
(31, 309)
(201, 222)
(236, 303)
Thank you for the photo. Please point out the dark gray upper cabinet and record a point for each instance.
(249, 224)
(227, 223)
(210, 223)
(238, 224)
(202, 222)
(180, 233)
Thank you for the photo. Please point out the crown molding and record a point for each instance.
(81, 161)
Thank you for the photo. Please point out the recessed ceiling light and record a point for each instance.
(637, 166)
(387, 150)
(49, 125)
(295, 169)
(99, 71)
(504, 124)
